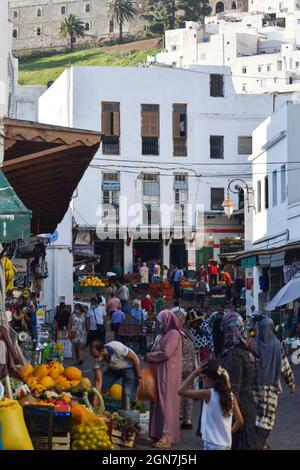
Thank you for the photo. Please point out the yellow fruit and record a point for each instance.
(25, 371)
(39, 389)
(42, 371)
(47, 382)
(55, 370)
(116, 392)
(72, 373)
(74, 382)
(63, 382)
(31, 381)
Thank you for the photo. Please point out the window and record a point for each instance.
(15, 33)
(279, 65)
(297, 65)
(217, 85)
(39, 12)
(110, 197)
(15, 14)
(244, 87)
(259, 68)
(266, 192)
(274, 187)
(291, 80)
(38, 31)
(110, 127)
(244, 69)
(87, 26)
(180, 198)
(258, 189)
(87, 8)
(244, 145)
(203, 56)
(63, 10)
(283, 182)
(173, 47)
(269, 68)
(151, 199)
(298, 21)
(150, 129)
(216, 146)
(111, 26)
(179, 130)
(216, 198)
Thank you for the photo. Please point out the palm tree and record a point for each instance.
(121, 11)
(73, 28)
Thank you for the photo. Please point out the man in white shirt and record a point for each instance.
(178, 309)
(122, 363)
(123, 294)
(95, 322)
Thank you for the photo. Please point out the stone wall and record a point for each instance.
(36, 22)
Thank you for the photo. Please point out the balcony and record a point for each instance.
(179, 147)
(111, 145)
(180, 217)
(151, 217)
(150, 146)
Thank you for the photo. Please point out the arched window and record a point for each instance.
(220, 7)
(233, 6)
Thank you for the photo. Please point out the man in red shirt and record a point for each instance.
(147, 304)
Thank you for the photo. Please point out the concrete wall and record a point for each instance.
(27, 97)
(27, 21)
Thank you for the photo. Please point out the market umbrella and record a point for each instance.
(290, 292)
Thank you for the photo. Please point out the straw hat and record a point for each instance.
(195, 316)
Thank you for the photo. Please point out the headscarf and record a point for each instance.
(169, 321)
(268, 348)
(233, 329)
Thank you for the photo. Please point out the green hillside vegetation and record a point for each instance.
(40, 71)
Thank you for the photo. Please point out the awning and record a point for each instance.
(44, 165)
(15, 218)
(264, 260)
(277, 260)
(249, 262)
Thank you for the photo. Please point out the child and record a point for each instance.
(219, 405)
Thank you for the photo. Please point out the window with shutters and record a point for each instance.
(39, 12)
(110, 197)
(216, 199)
(63, 10)
(87, 8)
(217, 146)
(179, 130)
(151, 199)
(150, 129)
(266, 192)
(38, 31)
(217, 85)
(258, 196)
(110, 128)
(244, 145)
(180, 198)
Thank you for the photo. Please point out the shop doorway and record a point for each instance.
(111, 254)
(147, 251)
(178, 254)
(203, 256)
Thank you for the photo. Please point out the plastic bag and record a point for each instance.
(15, 435)
(147, 388)
(81, 415)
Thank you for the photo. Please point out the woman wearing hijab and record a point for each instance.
(166, 360)
(239, 362)
(271, 365)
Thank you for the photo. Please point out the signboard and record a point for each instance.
(40, 316)
(84, 250)
(20, 265)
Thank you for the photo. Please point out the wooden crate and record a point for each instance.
(117, 439)
(61, 442)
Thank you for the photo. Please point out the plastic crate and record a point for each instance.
(39, 422)
(62, 442)
(62, 423)
(112, 404)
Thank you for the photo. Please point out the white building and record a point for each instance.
(172, 137)
(261, 49)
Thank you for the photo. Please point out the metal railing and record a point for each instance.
(150, 146)
(111, 145)
(111, 216)
(179, 147)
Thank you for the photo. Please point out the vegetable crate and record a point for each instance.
(62, 442)
(117, 439)
(39, 422)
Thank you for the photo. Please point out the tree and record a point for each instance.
(73, 28)
(161, 15)
(194, 10)
(121, 11)
(169, 14)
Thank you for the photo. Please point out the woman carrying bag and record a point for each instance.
(78, 333)
(95, 322)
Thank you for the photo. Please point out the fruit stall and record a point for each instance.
(51, 409)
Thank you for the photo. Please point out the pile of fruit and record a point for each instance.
(52, 375)
(85, 437)
(92, 282)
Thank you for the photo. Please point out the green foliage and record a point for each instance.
(72, 28)
(169, 14)
(121, 11)
(39, 71)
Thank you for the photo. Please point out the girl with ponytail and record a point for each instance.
(219, 405)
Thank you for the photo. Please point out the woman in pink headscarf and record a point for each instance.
(166, 360)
